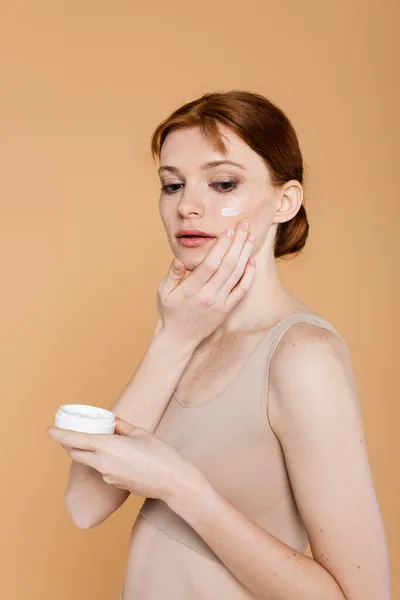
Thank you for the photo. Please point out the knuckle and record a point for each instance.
(206, 300)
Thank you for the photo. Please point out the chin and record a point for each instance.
(190, 264)
(191, 257)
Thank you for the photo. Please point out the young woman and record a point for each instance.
(242, 426)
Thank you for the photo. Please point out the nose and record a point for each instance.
(191, 203)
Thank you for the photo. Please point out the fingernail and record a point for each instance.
(244, 226)
(252, 238)
(229, 232)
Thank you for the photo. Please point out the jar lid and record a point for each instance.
(85, 418)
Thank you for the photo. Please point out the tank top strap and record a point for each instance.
(278, 331)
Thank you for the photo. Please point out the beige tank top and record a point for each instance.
(229, 439)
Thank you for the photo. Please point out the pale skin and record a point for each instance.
(316, 418)
(196, 203)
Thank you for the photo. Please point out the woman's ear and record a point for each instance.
(290, 199)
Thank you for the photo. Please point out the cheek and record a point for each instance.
(242, 206)
(234, 208)
(165, 214)
(247, 202)
(234, 205)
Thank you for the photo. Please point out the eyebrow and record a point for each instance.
(208, 165)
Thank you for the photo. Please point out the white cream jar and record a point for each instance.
(85, 418)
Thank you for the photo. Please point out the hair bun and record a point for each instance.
(291, 236)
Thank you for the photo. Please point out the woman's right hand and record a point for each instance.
(191, 310)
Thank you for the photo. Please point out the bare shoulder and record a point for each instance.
(314, 409)
(304, 341)
(307, 354)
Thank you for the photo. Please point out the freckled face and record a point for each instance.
(214, 198)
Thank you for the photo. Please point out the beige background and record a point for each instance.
(82, 248)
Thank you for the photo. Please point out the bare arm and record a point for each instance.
(316, 415)
(88, 499)
(193, 309)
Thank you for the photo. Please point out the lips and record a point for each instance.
(192, 233)
(194, 242)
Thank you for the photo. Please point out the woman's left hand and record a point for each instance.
(135, 460)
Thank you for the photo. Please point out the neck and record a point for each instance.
(266, 302)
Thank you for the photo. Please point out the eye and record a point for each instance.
(225, 190)
(172, 188)
(166, 189)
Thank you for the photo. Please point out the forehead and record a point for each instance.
(189, 147)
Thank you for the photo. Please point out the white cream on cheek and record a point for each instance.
(233, 207)
(231, 211)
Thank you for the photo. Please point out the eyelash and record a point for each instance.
(233, 182)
